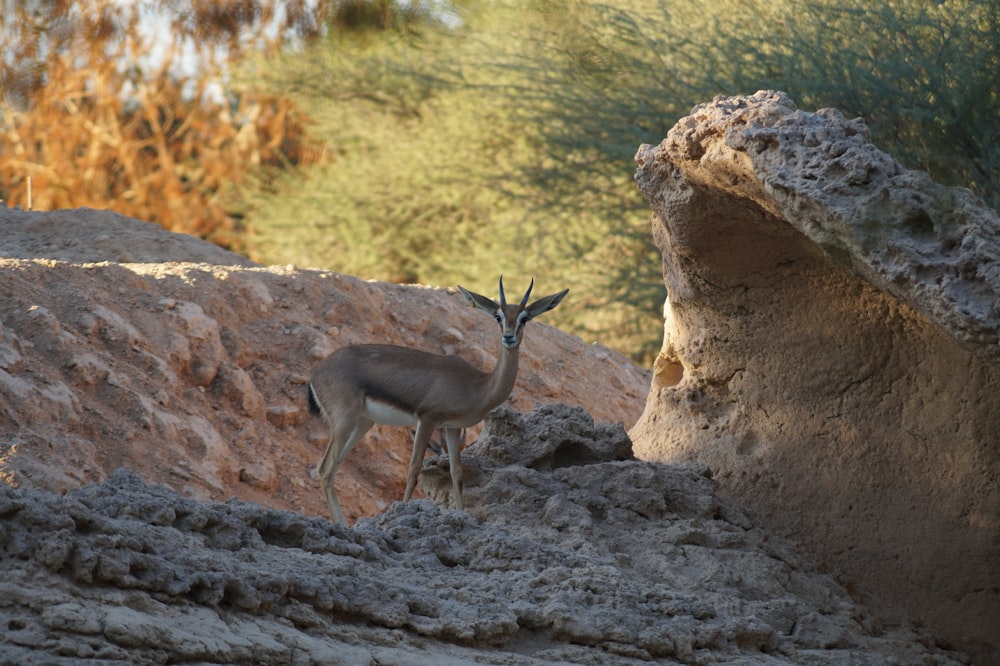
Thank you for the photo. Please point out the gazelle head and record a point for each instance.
(512, 318)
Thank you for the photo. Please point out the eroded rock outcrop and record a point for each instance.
(573, 553)
(831, 352)
(124, 345)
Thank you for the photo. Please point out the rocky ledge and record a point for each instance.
(572, 552)
(831, 352)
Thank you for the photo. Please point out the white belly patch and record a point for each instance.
(386, 414)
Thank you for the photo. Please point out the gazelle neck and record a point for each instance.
(501, 380)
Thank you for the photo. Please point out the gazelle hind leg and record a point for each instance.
(331, 501)
(420, 440)
(337, 448)
(454, 439)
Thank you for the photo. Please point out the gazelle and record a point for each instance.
(361, 385)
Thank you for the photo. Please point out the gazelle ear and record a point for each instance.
(480, 301)
(545, 304)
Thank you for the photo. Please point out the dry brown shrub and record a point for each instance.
(106, 135)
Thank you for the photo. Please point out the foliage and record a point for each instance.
(98, 109)
(444, 143)
(506, 144)
(925, 75)
(432, 138)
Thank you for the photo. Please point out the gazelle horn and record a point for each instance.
(524, 301)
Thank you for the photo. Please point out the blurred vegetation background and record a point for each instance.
(446, 142)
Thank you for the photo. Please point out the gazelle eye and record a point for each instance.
(499, 319)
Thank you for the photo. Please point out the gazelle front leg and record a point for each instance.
(420, 441)
(454, 438)
(422, 437)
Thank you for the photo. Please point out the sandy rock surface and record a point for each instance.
(829, 360)
(573, 552)
(124, 345)
(831, 353)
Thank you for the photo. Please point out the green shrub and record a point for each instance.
(505, 144)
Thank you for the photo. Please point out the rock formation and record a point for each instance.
(124, 345)
(573, 553)
(831, 353)
(830, 359)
